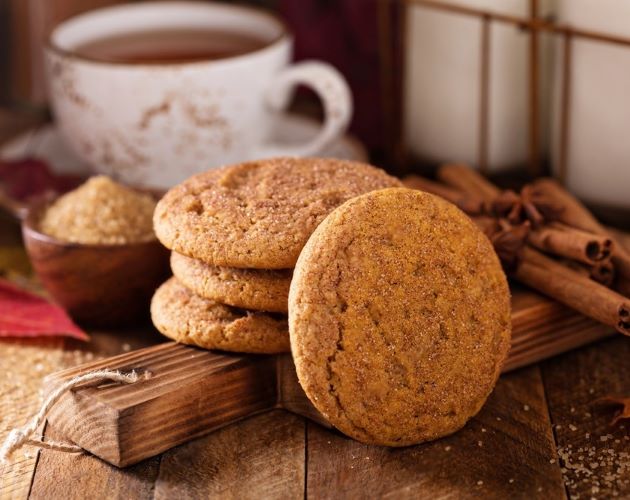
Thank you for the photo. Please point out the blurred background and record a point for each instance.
(516, 88)
(345, 33)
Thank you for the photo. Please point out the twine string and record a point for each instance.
(21, 436)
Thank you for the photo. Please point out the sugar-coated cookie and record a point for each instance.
(259, 214)
(399, 317)
(255, 289)
(187, 318)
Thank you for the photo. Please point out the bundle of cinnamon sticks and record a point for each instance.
(546, 239)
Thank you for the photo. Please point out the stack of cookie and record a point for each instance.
(235, 234)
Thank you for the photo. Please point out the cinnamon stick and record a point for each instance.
(574, 213)
(603, 271)
(468, 181)
(488, 225)
(577, 215)
(565, 241)
(616, 399)
(590, 244)
(469, 204)
(574, 290)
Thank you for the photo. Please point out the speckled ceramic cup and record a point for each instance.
(155, 124)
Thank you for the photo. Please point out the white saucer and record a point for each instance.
(45, 142)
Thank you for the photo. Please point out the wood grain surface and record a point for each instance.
(596, 454)
(525, 443)
(189, 392)
(263, 457)
(72, 476)
(23, 364)
(510, 450)
(192, 391)
(464, 465)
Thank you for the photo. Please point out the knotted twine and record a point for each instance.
(22, 436)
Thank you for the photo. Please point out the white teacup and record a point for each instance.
(154, 124)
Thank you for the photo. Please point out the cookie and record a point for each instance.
(187, 318)
(399, 317)
(259, 214)
(257, 289)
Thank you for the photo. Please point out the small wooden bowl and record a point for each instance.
(99, 285)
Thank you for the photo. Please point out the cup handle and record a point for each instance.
(336, 98)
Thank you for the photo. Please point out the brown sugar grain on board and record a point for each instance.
(100, 212)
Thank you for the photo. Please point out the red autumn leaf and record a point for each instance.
(24, 314)
(32, 178)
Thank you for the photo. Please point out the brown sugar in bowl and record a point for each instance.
(98, 284)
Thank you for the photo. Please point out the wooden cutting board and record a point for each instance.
(192, 392)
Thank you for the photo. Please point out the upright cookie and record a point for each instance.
(257, 289)
(399, 317)
(259, 214)
(187, 318)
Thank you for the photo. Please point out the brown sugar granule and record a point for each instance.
(100, 212)
(23, 364)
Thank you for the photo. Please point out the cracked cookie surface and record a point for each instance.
(189, 319)
(399, 317)
(256, 289)
(259, 214)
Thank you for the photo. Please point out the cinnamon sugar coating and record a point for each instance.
(259, 214)
(256, 289)
(189, 319)
(399, 317)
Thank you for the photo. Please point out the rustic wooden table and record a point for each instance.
(539, 436)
